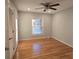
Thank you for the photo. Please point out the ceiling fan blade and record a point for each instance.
(53, 8)
(55, 4)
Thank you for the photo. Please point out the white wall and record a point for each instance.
(62, 26)
(25, 24)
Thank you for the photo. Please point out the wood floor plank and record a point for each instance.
(43, 49)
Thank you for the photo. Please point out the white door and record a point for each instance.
(11, 33)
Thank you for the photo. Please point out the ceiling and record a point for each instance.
(23, 5)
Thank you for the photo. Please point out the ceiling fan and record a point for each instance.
(47, 6)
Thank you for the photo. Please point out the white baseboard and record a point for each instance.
(31, 38)
(62, 41)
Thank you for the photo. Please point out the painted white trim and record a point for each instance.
(36, 38)
(62, 41)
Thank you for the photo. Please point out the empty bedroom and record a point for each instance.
(39, 29)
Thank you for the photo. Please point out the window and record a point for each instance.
(36, 26)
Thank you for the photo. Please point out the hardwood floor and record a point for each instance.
(43, 49)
